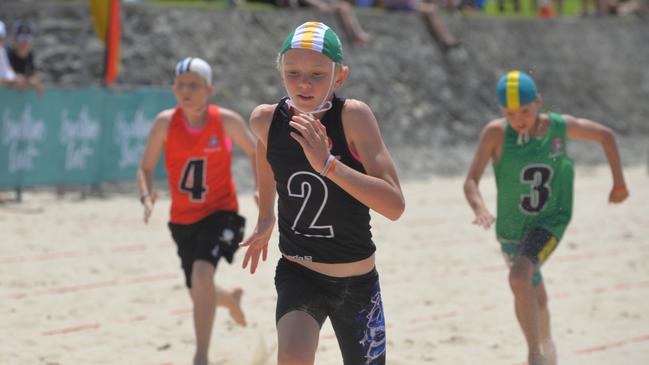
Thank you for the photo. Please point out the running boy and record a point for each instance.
(534, 180)
(196, 139)
(325, 158)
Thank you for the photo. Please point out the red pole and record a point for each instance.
(112, 43)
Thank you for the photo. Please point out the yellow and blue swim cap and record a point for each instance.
(516, 89)
(317, 37)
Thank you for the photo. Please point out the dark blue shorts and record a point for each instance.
(210, 239)
(353, 304)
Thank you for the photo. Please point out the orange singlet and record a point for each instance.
(198, 166)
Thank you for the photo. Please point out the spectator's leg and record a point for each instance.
(435, 27)
(452, 5)
(350, 22)
(643, 8)
(603, 7)
(584, 7)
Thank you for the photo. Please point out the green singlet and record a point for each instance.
(534, 182)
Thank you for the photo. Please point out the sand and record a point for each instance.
(86, 282)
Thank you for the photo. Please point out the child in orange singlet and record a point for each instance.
(196, 139)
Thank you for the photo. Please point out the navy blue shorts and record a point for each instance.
(210, 239)
(353, 304)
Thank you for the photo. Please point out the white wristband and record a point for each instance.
(327, 165)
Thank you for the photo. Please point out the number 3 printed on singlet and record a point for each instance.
(193, 180)
(313, 190)
(538, 177)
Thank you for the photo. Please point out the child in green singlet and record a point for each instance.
(534, 180)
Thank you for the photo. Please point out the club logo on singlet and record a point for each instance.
(557, 147)
(213, 144)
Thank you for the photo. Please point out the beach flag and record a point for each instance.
(106, 19)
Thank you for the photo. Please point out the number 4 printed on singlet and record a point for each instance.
(312, 189)
(193, 179)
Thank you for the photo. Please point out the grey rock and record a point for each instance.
(431, 108)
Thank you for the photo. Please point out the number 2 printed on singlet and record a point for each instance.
(193, 179)
(313, 190)
(538, 177)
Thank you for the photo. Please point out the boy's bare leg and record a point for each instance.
(231, 299)
(206, 296)
(547, 344)
(527, 306)
(203, 296)
(297, 338)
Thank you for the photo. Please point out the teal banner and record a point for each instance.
(83, 136)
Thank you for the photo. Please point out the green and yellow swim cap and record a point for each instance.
(516, 89)
(317, 37)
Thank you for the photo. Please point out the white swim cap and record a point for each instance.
(196, 65)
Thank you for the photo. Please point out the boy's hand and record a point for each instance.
(484, 219)
(257, 244)
(618, 195)
(148, 202)
(313, 139)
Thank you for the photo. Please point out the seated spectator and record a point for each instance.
(428, 11)
(467, 5)
(7, 79)
(21, 58)
(7, 75)
(343, 9)
(546, 10)
(637, 7)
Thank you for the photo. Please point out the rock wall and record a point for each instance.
(431, 108)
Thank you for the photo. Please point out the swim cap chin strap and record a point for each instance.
(523, 138)
(324, 104)
(318, 37)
